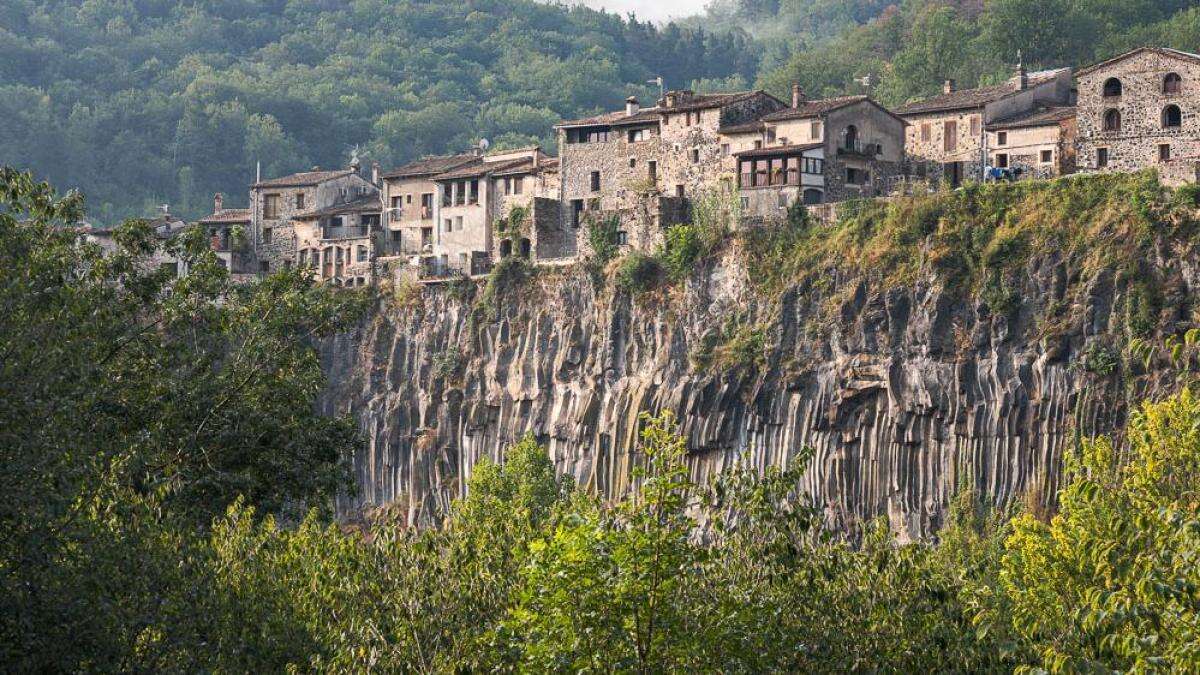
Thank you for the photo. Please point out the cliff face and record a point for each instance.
(905, 394)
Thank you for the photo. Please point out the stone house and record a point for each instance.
(410, 195)
(1041, 142)
(639, 165)
(946, 139)
(228, 231)
(819, 151)
(276, 202)
(477, 198)
(165, 227)
(336, 242)
(1141, 110)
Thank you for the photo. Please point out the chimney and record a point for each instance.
(797, 94)
(375, 173)
(1022, 78)
(631, 106)
(218, 203)
(670, 99)
(948, 87)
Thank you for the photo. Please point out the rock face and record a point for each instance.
(905, 394)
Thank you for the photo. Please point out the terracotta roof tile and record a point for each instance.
(429, 166)
(777, 150)
(362, 205)
(973, 98)
(813, 108)
(1036, 118)
(303, 179)
(227, 216)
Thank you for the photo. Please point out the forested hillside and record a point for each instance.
(141, 102)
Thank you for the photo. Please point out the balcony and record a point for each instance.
(344, 231)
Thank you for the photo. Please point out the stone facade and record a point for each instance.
(819, 151)
(623, 164)
(1141, 110)
(946, 139)
(275, 203)
(336, 242)
(410, 199)
(1040, 144)
(228, 231)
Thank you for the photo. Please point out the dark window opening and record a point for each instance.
(1002, 160)
(1112, 120)
(1047, 156)
(1101, 157)
(1172, 83)
(1002, 138)
(1164, 153)
(595, 181)
(1112, 87)
(1172, 117)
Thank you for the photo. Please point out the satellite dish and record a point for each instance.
(484, 144)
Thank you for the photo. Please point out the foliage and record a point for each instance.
(638, 273)
(737, 344)
(1112, 581)
(130, 398)
(686, 244)
(142, 102)
(602, 238)
(516, 222)
(447, 365)
(507, 275)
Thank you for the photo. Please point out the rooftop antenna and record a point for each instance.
(166, 209)
(258, 172)
(659, 81)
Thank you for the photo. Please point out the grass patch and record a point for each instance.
(638, 273)
(738, 344)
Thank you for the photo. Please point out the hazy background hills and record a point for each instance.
(143, 102)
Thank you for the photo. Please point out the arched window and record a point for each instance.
(1172, 83)
(851, 137)
(505, 248)
(1112, 87)
(1172, 117)
(1112, 120)
(525, 248)
(812, 196)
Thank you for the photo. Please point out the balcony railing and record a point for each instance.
(344, 232)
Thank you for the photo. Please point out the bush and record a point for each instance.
(638, 273)
(602, 237)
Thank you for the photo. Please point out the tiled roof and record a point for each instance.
(743, 128)
(1036, 118)
(303, 179)
(619, 118)
(1175, 53)
(973, 98)
(646, 115)
(227, 216)
(482, 168)
(429, 166)
(813, 108)
(362, 205)
(777, 150)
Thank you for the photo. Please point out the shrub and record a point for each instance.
(602, 237)
(638, 273)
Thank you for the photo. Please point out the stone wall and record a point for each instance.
(1136, 145)
(552, 241)
(279, 248)
(933, 153)
(874, 127)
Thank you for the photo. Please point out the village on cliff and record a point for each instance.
(638, 170)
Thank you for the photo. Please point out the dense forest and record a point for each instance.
(165, 491)
(144, 102)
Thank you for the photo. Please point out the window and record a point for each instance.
(695, 155)
(362, 254)
(632, 163)
(637, 135)
(1164, 152)
(518, 185)
(1112, 87)
(1172, 117)
(299, 201)
(426, 236)
(975, 125)
(408, 198)
(266, 238)
(576, 210)
(622, 237)
(1002, 138)
(507, 186)
(1002, 160)
(474, 194)
(1047, 156)
(1172, 83)
(449, 225)
(950, 136)
(850, 138)
(458, 224)
(271, 207)
(758, 145)
(396, 203)
(926, 132)
(595, 181)
(770, 134)
(1112, 120)
(745, 203)
(814, 130)
(653, 170)
(679, 191)
(1101, 157)
(812, 196)
(814, 166)
(264, 266)
(724, 149)
(857, 177)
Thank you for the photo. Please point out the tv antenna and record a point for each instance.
(659, 81)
